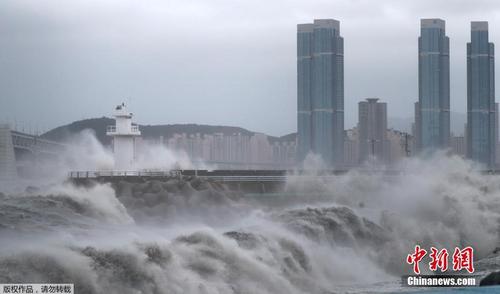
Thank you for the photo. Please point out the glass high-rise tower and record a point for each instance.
(320, 90)
(481, 138)
(433, 85)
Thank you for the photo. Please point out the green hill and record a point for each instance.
(98, 125)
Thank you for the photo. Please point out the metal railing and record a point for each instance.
(171, 173)
(35, 144)
(112, 129)
(99, 174)
(246, 178)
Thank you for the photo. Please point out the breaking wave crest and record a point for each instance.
(195, 236)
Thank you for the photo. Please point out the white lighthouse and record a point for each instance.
(123, 133)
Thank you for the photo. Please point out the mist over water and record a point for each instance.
(345, 233)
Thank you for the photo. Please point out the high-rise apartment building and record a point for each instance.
(433, 85)
(320, 90)
(373, 130)
(481, 130)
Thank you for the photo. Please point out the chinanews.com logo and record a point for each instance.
(440, 269)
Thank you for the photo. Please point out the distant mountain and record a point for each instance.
(98, 125)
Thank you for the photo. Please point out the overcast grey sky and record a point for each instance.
(223, 62)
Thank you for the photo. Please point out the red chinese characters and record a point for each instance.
(415, 258)
(462, 259)
(439, 259)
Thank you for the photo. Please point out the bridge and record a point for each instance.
(21, 152)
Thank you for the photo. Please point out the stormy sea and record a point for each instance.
(346, 234)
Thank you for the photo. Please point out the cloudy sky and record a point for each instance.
(228, 62)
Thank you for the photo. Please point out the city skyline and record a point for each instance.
(320, 98)
(150, 62)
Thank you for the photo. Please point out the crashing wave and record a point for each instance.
(197, 236)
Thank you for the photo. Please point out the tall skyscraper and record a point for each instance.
(320, 90)
(433, 85)
(481, 130)
(373, 130)
(305, 39)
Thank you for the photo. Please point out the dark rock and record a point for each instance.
(156, 255)
(195, 183)
(339, 225)
(245, 240)
(155, 187)
(491, 279)
(151, 199)
(124, 189)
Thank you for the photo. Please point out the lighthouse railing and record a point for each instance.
(111, 130)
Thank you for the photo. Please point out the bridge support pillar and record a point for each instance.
(8, 170)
